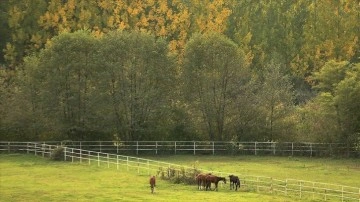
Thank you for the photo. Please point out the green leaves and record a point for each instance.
(213, 67)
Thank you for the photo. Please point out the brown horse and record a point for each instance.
(201, 179)
(152, 183)
(213, 179)
(234, 181)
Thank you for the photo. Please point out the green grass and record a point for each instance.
(326, 170)
(31, 178)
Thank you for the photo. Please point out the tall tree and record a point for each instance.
(138, 77)
(67, 66)
(213, 68)
(275, 99)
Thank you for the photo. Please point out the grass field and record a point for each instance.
(327, 170)
(31, 178)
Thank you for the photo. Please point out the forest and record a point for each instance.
(219, 70)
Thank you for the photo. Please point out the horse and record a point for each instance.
(152, 184)
(234, 181)
(200, 179)
(213, 179)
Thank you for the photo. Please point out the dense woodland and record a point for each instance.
(235, 70)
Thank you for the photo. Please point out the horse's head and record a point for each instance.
(223, 179)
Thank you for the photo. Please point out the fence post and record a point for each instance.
(292, 148)
(27, 148)
(311, 150)
(72, 155)
(89, 157)
(65, 148)
(80, 151)
(194, 147)
(175, 147)
(8, 147)
(117, 162)
(108, 160)
(43, 149)
(137, 147)
(255, 148)
(117, 148)
(274, 145)
(100, 146)
(213, 148)
(156, 146)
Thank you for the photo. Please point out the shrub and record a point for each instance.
(57, 154)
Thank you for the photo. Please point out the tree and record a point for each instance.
(213, 67)
(137, 79)
(275, 100)
(338, 86)
(24, 29)
(66, 70)
(347, 104)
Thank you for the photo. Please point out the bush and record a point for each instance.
(57, 154)
(177, 176)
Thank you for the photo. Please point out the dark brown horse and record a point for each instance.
(213, 179)
(234, 181)
(152, 183)
(201, 180)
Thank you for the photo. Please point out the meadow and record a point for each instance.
(32, 178)
(327, 170)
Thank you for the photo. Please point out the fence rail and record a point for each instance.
(206, 147)
(288, 187)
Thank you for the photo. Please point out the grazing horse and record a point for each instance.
(234, 181)
(200, 179)
(213, 179)
(152, 183)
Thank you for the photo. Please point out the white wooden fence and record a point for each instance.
(288, 187)
(207, 147)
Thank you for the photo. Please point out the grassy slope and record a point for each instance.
(327, 170)
(30, 178)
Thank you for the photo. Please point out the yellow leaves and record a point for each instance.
(350, 48)
(144, 21)
(122, 25)
(162, 31)
(71, 5)
(163, 7)
(110, 21)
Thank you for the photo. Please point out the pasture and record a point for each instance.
(326, 170)
(32, 178)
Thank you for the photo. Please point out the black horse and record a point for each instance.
(213, 179)
(234, 181)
